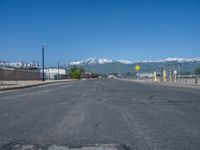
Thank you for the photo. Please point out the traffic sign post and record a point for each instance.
(137, 68)
(155, 76)
(164, 75)
(175, 72)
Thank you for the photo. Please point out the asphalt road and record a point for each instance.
(136, 115)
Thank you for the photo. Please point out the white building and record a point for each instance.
(53, 73)
(145, 75)
(111, 76)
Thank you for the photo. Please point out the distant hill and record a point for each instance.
(106, 66)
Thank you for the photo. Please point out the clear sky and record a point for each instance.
(78, 29)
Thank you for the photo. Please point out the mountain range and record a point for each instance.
(123, 67)
(98, 61)
(106, 66)
(94, 60)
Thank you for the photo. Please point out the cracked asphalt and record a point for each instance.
(139, 116)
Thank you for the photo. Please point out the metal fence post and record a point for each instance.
(1, 76)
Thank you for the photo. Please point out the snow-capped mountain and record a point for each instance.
(98, 61)
(123, 61)
(106, 66)
(182, 59)
(173, 59)
(91, 61)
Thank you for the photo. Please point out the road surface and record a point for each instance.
(136, 116)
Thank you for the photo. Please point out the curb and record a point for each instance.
(29, 86)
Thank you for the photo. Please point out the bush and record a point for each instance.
(76, 72)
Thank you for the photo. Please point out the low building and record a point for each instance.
(53, 73)
(111, 76)
(87, 75)
(145, 75)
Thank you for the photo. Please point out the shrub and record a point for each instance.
(76, 72)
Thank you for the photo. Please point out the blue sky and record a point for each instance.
(78, 29)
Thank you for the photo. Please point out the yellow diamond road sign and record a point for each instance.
(137, 67)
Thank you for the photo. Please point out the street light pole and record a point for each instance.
(58, 70)
(179, 72)
(43, 78)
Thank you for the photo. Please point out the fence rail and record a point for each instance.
(183, 79)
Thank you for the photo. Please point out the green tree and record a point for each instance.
(77, 72)
(82, 70)
(197, 71)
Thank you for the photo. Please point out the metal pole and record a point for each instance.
(119, 68)
(1, 70)
(196, 79)
(43, 79)
(179, 73)
(58, 70)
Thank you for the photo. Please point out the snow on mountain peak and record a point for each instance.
(104, 60)
(92, 61)
(95, 60)
(179, 59)
(173, 59)
(123, 61)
